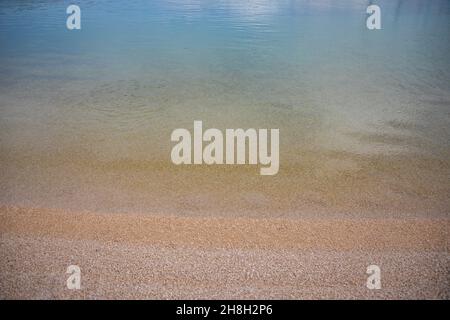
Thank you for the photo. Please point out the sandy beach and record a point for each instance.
(107, 160)
(136, 256)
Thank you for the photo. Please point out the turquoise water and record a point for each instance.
(86, 115)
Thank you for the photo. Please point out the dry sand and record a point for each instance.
(154, 257)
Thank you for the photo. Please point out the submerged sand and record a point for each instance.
(156, 257)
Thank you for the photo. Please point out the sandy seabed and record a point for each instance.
(135, 256)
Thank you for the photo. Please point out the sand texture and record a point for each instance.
(135, 256)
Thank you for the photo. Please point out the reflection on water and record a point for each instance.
(86, 115)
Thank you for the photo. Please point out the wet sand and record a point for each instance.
(161, 257)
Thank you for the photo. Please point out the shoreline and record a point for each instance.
(144, 256)
(221, 232)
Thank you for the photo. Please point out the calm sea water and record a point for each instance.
(364, 116)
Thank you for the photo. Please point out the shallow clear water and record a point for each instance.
(86, 116)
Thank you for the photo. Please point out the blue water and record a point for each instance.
(86, 115)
